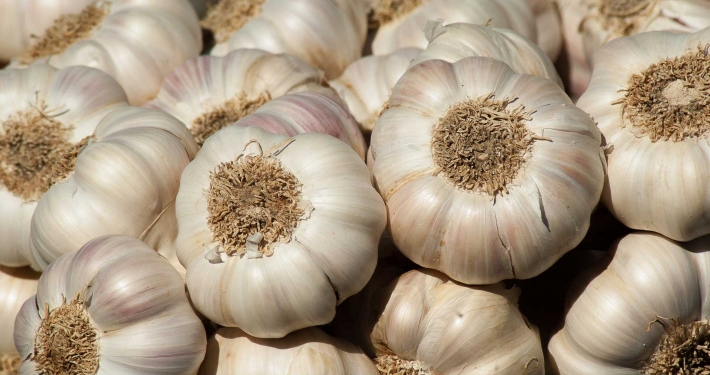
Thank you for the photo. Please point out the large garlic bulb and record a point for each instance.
(307, 351)
(549, 26)
(136, 42)
(45, 114)
(487, 174)
(425, 323)
(654, 114)
(127, 310)
(328, 34)
(209, 92)
(401, 22)
(275, 231)
(648, 310)
(16, 286)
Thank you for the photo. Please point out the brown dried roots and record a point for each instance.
(66, 30)
(623, 17)
(480, 144)
(225, 114)
(386, 11)
(252, 194)
(66, 341)
(9, 364)
(669, 100)
(229, 16)
(685, 350)
(393, 365)
(35, 152)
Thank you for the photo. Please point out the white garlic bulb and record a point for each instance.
(327, 34)
(549, 26)
(44, 115)
(653, 112)
(422, 322)
(401, 26)
(16, 286)
(307, 351)
(487, 174)
(275, 231)
(209, 92)
(128, 312)
(136, 42)
(366, 84)
(624, 319)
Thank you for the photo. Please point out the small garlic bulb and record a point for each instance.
(127, 308)
(307, 351)
(402, 21)
(327, 34)
(424, 323)
(275, 231)
(16, 286)
(645, 308)
(209, 92)
(136, 42)
(654, 114)
(472, 200)
(366, 84)
(549, 26)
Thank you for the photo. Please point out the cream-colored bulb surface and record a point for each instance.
(16, 286)
(549, 26)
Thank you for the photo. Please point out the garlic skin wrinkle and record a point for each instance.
(657, 148)
(134, 309)
(476, 204)
(136, 42)
(16, 286)
(307, 351)
(317, 211)
(617, 316)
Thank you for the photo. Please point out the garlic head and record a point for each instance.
(18, 284)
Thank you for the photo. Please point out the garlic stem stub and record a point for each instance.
(126, 308)
(274, 231)
(487, 174)
(644, 309)
(137, 43)
(653, 112)
(16, 286)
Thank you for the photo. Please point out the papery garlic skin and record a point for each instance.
(406, 31)
(138, 43)
(472, 236)
(124, 182)
(658, 186)
(76, 96)
(454, 42)
(136, 301)
(367, 83)
(16, 286)
(450, 328)
(326, 34)
(307, 351)
(549, 27)
(609, 328)
(330, 256)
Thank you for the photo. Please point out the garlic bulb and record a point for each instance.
(128, 312)
(327, 34)
(487, 174)
(653, 113)
(136, 42)
(308, 351)
(652, 299)
(44, 115)
(280, 261)
(401, 22)
(548, 26)
(16, 286)
(423, 321)
(208, 93)
(454, 42)
(366, 84)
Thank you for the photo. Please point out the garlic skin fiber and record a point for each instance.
(657, 148)
(481, 205)
(616, 319)
(136, 42)
(133, 305)
(318, 246)
(307, 351)
(16, 286)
